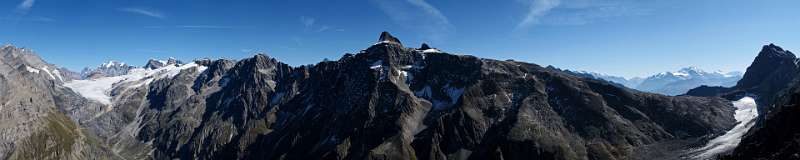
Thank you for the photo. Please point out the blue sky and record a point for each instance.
(618, 37)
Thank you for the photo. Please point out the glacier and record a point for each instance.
(746, 113)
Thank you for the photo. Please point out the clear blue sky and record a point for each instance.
(619, 37)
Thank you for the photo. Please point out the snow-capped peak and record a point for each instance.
(107, 69)
(112, 63)
(686, 72)
(691, 69)
(678, 82)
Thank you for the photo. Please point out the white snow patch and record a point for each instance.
(58, 74)
(172, 70)
(95, 89)
(431, 51)
(32, 70)
(48, 72)
(746, 113)
(438, 103)
(679, 74)
(383, 42)
(376, 64)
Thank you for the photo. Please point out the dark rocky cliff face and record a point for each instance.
(772, 71)
(770, 64)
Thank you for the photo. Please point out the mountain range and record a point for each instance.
(387, 101)
(672, 82)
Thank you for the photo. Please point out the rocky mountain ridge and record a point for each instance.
(385, 102)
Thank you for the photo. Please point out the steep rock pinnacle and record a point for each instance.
(424, 46)
(386, 37)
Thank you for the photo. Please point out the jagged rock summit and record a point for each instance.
(774, 51)
(772, 64)
(388, 38)
(425, 47)
(155, 63)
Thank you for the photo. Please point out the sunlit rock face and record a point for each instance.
(33, 111)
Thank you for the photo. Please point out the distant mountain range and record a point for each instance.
(627, 82)
(673, 82)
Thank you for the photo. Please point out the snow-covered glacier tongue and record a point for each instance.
(746, 113)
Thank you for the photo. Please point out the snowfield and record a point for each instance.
(746, 113)
(100, 89)
(95, 89)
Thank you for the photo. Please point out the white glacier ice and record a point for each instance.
(746, 113)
